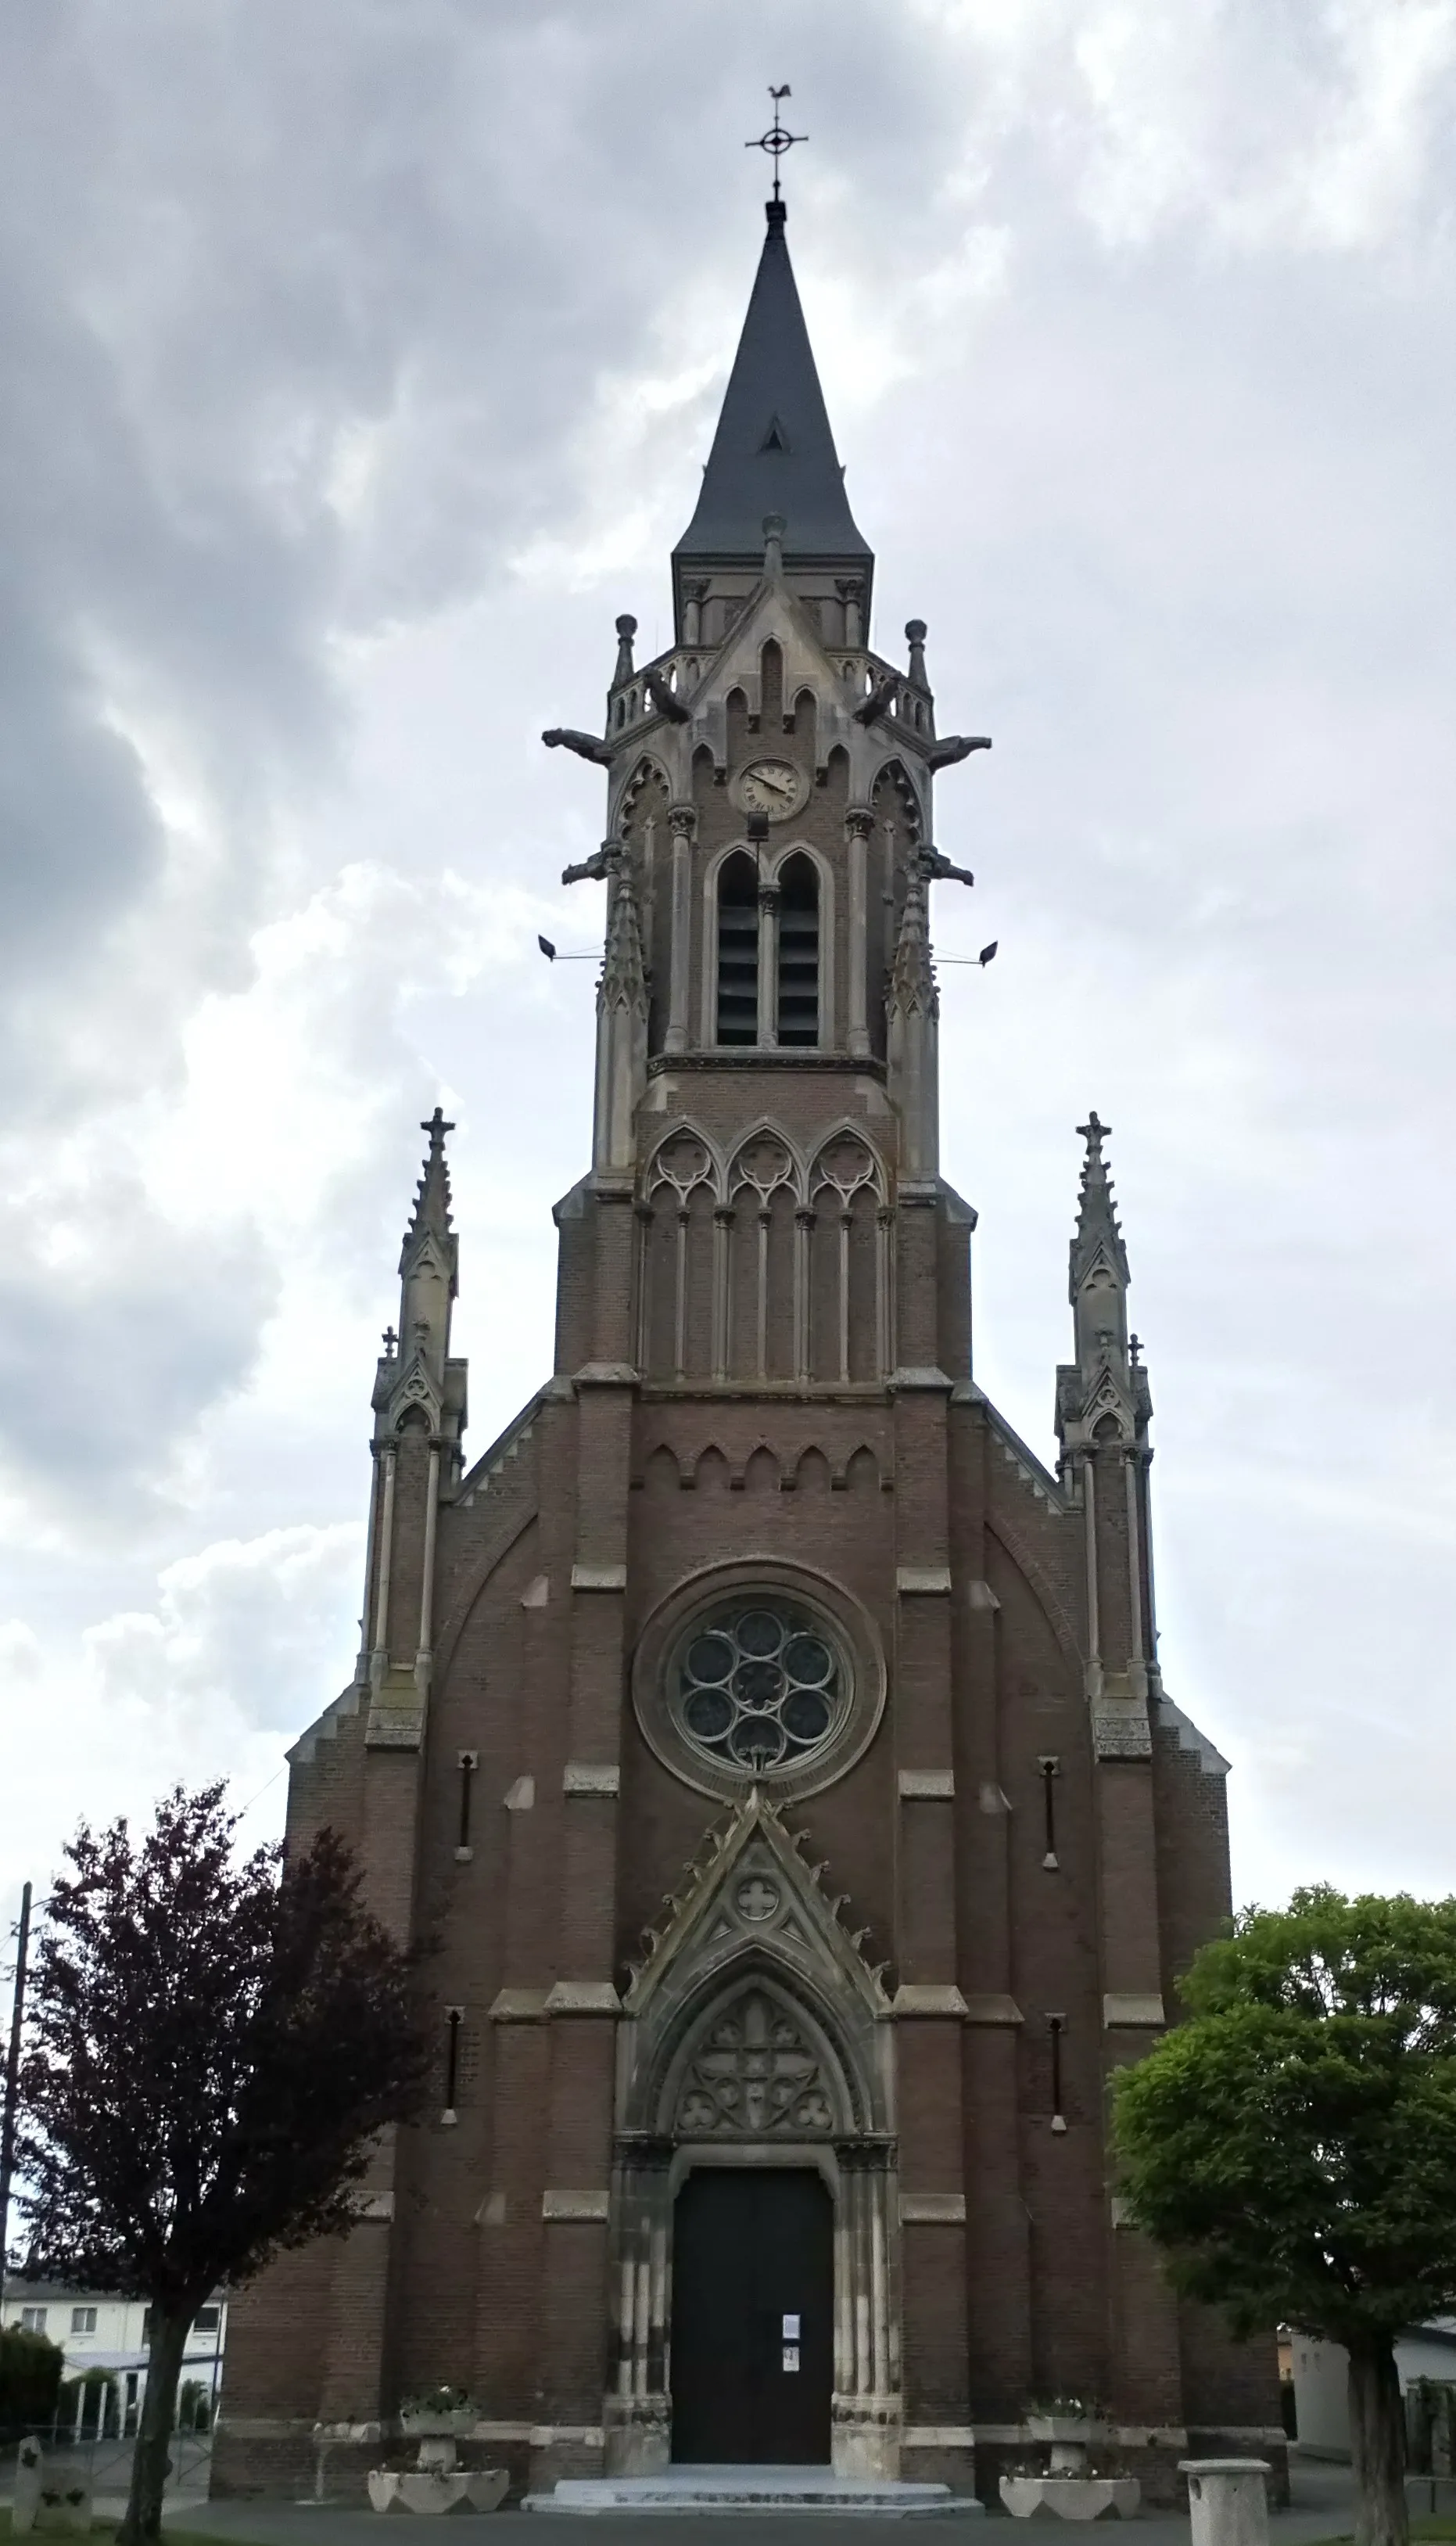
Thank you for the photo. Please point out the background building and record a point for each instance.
(1425, 2355)
(779, 1750)
(98, 2331)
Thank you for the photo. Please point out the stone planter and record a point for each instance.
(434, 2492)
(1068, 2435)
(1070, 2497)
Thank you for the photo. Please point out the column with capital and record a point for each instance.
(683, 823)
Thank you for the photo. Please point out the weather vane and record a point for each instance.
(776, 140)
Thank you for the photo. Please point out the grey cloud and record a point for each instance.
(312, 316)
(105, 1368)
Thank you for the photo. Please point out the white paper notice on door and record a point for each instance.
(790, 2329)
(791, 2355)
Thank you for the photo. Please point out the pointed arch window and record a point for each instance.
(738, 951)
(798, 952)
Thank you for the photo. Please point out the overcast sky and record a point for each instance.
(360, 361)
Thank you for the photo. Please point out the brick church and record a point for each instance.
(776, 1746)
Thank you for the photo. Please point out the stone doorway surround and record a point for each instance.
(754, 2034)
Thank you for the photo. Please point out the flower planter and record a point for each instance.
(1068, 2436)
(1070, 2497)
(433, 2493)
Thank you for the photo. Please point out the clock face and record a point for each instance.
(772, 786)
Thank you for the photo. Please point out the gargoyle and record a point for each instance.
(602, 862)
(587, 747)
(936, 867)
(953, 747)
(878, 703)
(666, 701)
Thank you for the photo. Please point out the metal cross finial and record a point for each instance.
(389, 1339)
(777, 141)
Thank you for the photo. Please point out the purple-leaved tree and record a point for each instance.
(212, 2050)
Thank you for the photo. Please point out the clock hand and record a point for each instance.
(776, 786)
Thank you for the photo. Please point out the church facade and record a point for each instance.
(776, 1747)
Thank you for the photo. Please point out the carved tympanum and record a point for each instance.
(754, 2076)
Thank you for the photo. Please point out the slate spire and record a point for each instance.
(774, 450)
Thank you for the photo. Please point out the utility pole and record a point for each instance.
(12, 2082)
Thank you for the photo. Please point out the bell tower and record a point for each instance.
(767, 972)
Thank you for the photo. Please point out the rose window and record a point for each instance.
(760, 1686)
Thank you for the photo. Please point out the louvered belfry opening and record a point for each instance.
(798, 952)
(738, 951)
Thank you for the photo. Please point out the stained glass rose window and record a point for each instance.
(759, 1685)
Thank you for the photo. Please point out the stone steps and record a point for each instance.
(811, 2490)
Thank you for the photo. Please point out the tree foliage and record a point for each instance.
(213, 2049)
(1292, 2146)
(31, 2367)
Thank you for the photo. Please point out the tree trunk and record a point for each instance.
(1378, 2444)
(150, 2459)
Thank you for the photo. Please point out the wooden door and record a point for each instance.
(752, 2318)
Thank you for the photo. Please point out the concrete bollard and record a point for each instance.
(1227, 2502)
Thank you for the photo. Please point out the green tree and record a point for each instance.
(1292, 2144)
(31, 2367)
(214, 2048)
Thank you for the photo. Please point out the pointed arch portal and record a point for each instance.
(755, 2146)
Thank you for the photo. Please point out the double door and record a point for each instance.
(752, 2318)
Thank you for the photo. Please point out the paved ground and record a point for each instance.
(1322, 2509)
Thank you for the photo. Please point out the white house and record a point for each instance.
(1320, 2401)
(96, 2329)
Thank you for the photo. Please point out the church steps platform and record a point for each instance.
(812, 2491)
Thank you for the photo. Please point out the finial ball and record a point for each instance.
(914, 630)
(627, 625)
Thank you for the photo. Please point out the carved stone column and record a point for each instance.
(637, 2410)
(868, 2413)
(858, 824)
(683, 823)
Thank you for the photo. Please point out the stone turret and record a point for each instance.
(1103, 1407)
(1103, 1393)
(420, 1402)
